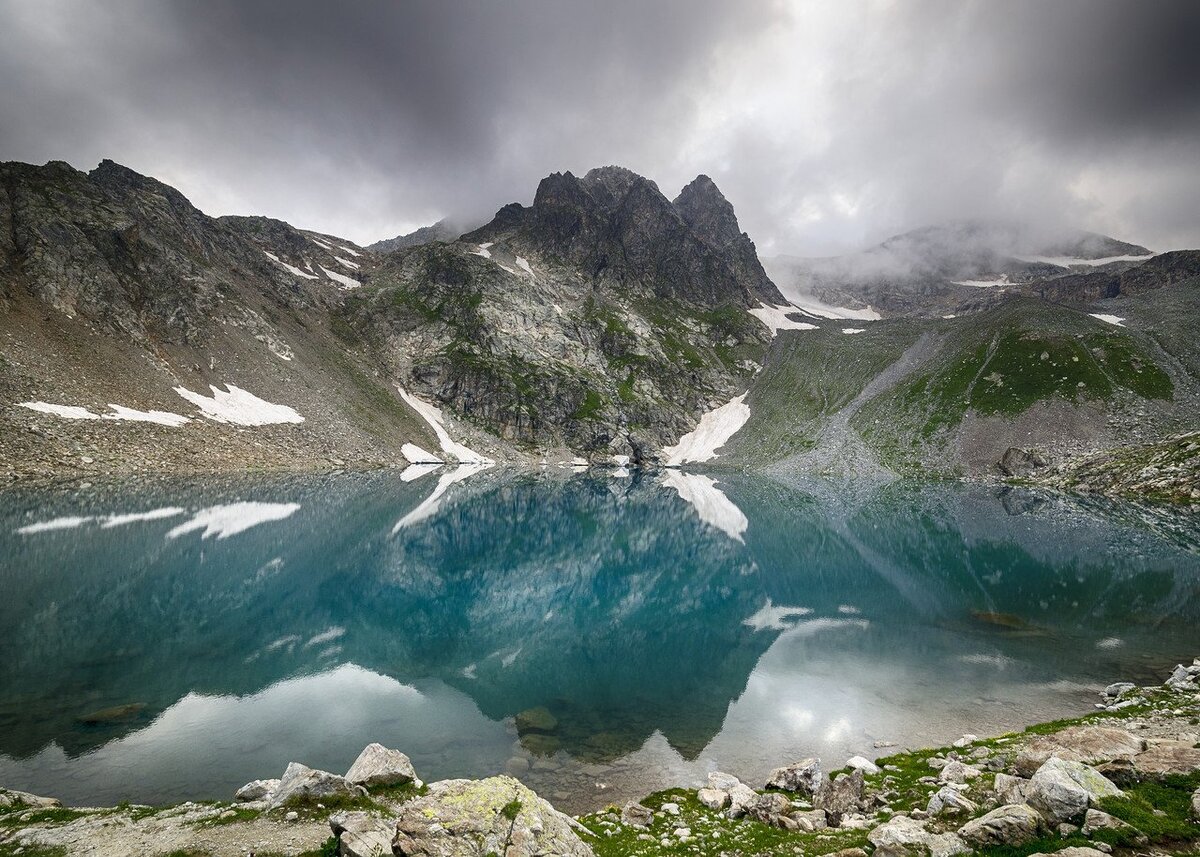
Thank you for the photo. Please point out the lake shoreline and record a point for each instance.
(1145, 738)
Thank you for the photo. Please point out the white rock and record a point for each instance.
(906, 837)
(304, 783)
(713, 798)
(1062, 790)
(1014, 824)
(863, 764)
(958, 772)
(948, 801)
(376, 765)
(965, 740)
(256, 790)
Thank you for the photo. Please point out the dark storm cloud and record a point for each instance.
(827, 124)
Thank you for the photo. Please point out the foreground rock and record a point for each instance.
(803, 777)
(498, 815)
(1088, 744)
(1014, 824)
(13, 798)
(1062, 790)
(906, 837)
(376, 765)
(301, 783)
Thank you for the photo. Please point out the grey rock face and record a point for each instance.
(713, 798)
(841, 796)
(949, 801)
(361, 834)
(1010, 789)
(300, 782)
(14, 798)
(741, 798)
(1095, 820)
(465, 818)
(958, 772)
(636, 815)
(376, 765)
(1013, 824)
(1088, 744)
(256, 790)
(803, 777)
(908, 837)
(1062, 790)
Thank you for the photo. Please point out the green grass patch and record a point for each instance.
(1161, 810)
(15, 816)
(593, 403)
(12, 849)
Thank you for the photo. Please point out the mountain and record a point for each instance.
(604, 320)
(939, 269)
(444, 231)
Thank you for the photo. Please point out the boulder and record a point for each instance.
(740, 797)
(906, 837)
(724, 782)
(863, 764)
(713, 798)
(1074, 851)
(14, 798)
(1091, 745)
(966, 740)
(958, 772)
(948, 801)
(771, 808)
(537, 720)
(1012, 824)
(466, 818)
(302, 783)
(1062, 790)
(1183, 678)
(1163, 760)
(1095, 820)
(361, 834)
(636, 815)
(1010, 789)
(1118, 689)
(1196, 804)
(376, 765)
(256, 790)
(842, 796)
(803, 777)
(812, 819)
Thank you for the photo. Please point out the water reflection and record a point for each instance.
(598, 636)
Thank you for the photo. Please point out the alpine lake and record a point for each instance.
(598, 634)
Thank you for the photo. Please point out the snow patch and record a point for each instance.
(1111, 319)
(346, 282)
(1002, 280)
(430, 505)
(320, 243)
(240, 408)
(346, 263)
(233, 518)
(137, 517)
(292, 269)
(776, 318)
(120, 412)
(709, 501)
(350, 250)
(715, 429)
(814, 307)
(854, 330)
(483, 250)
(523, 264)
(772, 618)
(433, 416)
(1068, 261)
(416, 471)
(68, 522)
(416, 455)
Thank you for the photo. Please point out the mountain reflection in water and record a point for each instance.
(600, 635)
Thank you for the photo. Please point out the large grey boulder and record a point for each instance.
(772, 808)
(906, 837)
(636, 815)
(376, 765)
(256, 790)
(803, 777)
(741, 797)
(1196, 804)
(1074, 851)
(724, 782)
(1013, 824)
(361, 834)
(302, 783)
(12, 797)
(958, 772)
(1091, 745)
(498, 815)
(949, 801)
(842, 796)
(1096, 820)
(713, 798)
(1009, 789)
(1062, 790)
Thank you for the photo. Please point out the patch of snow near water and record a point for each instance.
(105, 522)
(233, 518)
(346, 263)
(346, 282)
(776, 318)
(430, 505)
(1068, 261)
(415, 471)
(1111, 319)
(120, 412)
(433, 416)
(715, 429)
(68, 522)
(812, 306)
(854, 330)
(483, 250)
(416, 455)
(240, 408)
(292, 269)
(709, 501)
(983, 284)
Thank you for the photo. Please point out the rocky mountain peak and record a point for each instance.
(708, 212)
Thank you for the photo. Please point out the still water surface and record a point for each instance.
(599, 636)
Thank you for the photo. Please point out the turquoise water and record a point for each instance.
(169, 642)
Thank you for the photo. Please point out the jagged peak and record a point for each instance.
(707, 211)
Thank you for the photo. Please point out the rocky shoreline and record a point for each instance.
(1124, 779)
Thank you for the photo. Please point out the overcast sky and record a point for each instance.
(829, 125)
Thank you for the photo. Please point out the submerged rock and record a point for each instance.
(498, 815)
(537, 720)
(1014, 824)
(376, 765)
(115, 714)
(803, 777)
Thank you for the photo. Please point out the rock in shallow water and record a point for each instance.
(466, 818)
